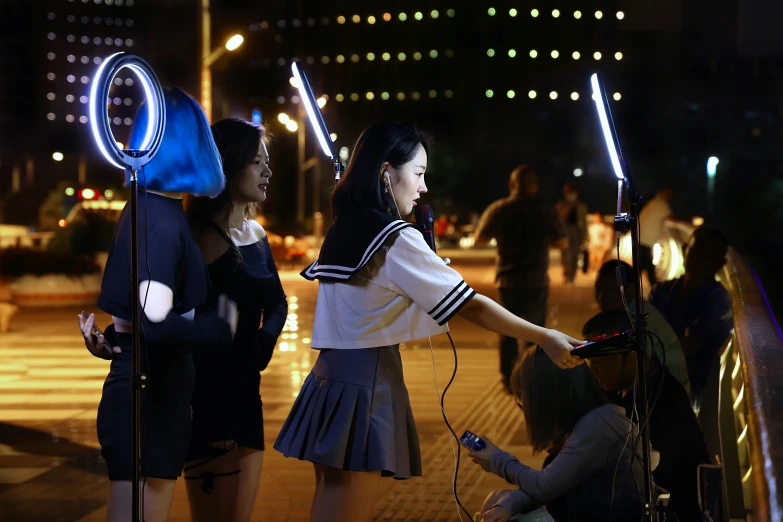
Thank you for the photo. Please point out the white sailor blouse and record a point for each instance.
(380, 284)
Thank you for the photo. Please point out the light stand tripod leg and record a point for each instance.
(138, 380)
(640, 339)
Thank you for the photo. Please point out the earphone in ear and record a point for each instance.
(387, 182)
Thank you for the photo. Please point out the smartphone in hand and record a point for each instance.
(472, 441)
(96, 332)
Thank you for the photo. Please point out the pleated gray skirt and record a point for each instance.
(353, 413)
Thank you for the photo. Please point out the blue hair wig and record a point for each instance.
(188, 159)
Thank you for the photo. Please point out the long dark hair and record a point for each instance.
(360, 186)
(237, 141)
(553, 400)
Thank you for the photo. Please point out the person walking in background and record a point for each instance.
(525, 227)
(599, 238)
(574, 214)
(651, 220)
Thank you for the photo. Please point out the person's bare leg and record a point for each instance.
(344, 495)
(220, 504)
(250, 462)
(157, 500)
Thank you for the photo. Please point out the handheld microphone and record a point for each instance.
(425, 219)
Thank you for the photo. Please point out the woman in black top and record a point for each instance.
(227, 447)
(174, 284)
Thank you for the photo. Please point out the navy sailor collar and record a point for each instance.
(351, 241)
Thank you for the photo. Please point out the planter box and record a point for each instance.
(56, 290)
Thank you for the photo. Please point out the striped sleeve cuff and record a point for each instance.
(452, 303)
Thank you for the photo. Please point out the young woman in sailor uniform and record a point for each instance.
(380, 285)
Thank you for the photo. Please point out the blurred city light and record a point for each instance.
(712, 166)
(283, 118)
(291, 125)
(57, 156)
(234, 42)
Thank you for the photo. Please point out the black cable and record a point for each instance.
(654, 402)
(633, 410)
(446, 420)
(620, 458)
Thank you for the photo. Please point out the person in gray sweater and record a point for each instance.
(591, 473)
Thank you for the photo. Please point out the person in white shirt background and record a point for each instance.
(651, 221)
(380, 284)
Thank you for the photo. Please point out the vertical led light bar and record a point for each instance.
(313, 111)
(607, 126)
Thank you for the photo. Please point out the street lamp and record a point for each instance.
(303, 165)
(209, 57)
(712, 169)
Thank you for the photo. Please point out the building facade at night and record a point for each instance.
(60, 46)
(496, 84)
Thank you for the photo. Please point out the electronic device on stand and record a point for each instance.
(635, 338)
